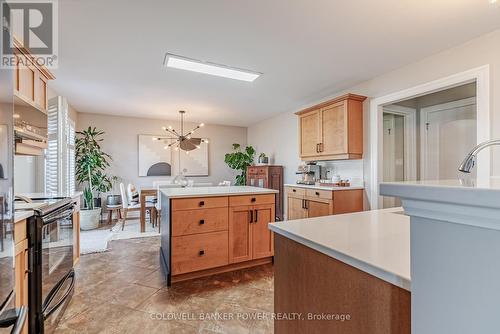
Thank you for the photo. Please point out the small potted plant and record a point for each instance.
(91, 164)
(114, 199)
(263, 159)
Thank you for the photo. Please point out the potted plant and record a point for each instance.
(114, 199)
(263, 159)
(239, 160)
(91, 164)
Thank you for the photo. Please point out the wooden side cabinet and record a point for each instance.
(270, 177)
(332, 130)
(310, 202)
(21, 266)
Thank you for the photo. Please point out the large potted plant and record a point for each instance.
(239, 160)
(91, 164)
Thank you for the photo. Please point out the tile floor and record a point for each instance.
(122, 291)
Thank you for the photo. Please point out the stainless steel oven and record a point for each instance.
(52, 280)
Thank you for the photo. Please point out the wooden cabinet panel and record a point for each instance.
(26, 79)
(333, 129)
(262, 237)
(319, 209)
(309, 134)
(199, 203)
(41, 91)
(198, 252)
(271, 177)
(240, 235)
(347, 201)
(251, 199)
(199, 221)
(21, 266)
(295, 191)
(296, 208)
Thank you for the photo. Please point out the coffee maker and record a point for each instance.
(308, 173)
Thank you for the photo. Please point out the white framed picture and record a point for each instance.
(154, 159)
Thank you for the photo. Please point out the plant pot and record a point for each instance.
(89, 219)
(263, 160)
(114, 200)
(97, 202)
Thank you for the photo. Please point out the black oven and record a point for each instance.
(52, 278)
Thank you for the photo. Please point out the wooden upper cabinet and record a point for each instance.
(310, 134)
(332, 130)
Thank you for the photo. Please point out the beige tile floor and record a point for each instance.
(123, 291)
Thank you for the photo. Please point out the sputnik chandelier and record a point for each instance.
(182, 141)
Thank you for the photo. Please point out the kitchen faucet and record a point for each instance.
(470, 160)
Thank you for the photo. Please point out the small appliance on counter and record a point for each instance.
(309, 173)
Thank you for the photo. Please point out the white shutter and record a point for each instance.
(70, 177)
(52, 161)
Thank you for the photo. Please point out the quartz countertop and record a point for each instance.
(44, 195)
(214, 191)
(376, 242)
(329, 188)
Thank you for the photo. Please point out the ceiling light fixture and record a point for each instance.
(493, 1)
(180, 140)
(199, 66)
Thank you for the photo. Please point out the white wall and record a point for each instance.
(121, 142)
(475, 53)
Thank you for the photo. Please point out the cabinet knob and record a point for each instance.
(202, 203)
(294, 190)
(202, 221)
(202, 252)
(253, 199)
(317, 193)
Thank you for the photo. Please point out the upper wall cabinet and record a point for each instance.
(332, 130)
(30, 103)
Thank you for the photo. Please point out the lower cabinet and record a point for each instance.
(310, 203)
(21, 266)
(249, 235)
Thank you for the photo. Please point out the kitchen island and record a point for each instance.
(346, 273)
(210, 230)
(455, 251)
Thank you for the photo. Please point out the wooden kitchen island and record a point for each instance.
(210, 230)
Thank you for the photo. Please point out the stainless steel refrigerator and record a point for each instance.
(11, 319)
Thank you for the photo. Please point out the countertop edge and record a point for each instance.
(308, 186)
(267, 191)
(390, 277)
(22, 215)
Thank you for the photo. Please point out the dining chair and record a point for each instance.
(128, 206)
(157, 213)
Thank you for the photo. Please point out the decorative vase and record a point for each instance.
(114, 200)
(89, 219)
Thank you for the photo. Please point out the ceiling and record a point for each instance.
(111, 51)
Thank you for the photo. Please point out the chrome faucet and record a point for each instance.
(470, 160)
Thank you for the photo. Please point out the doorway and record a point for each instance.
(445, 123)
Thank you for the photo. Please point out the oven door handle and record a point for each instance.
(59, 215)
(21, 318)
(46, 311)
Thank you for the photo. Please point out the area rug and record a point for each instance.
(133, 230)
(94, 241)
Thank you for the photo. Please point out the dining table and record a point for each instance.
(143, 194)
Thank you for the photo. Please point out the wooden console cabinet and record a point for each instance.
(332, 130)
(310, 202)
(270, 177)
(217, 234)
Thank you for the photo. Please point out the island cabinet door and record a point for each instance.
(262, 237)
(296, 208)
(240, 233)
(319, 208)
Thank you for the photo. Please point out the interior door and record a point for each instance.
(240, 235)
(450, 132)
(295, 209)
(262, 237)
(317, 209)
(334, 129)
(309, 134)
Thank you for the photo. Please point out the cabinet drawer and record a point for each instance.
(252, 199)
(295, 191)
(199, 221)
(198, 203)
(200, 251)
(315, 193)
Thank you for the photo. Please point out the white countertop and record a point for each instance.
(44, 195)
(214, 191)
(21, 215)
(328, 188)
(376, 242)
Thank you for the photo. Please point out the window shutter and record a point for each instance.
(52, 161)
